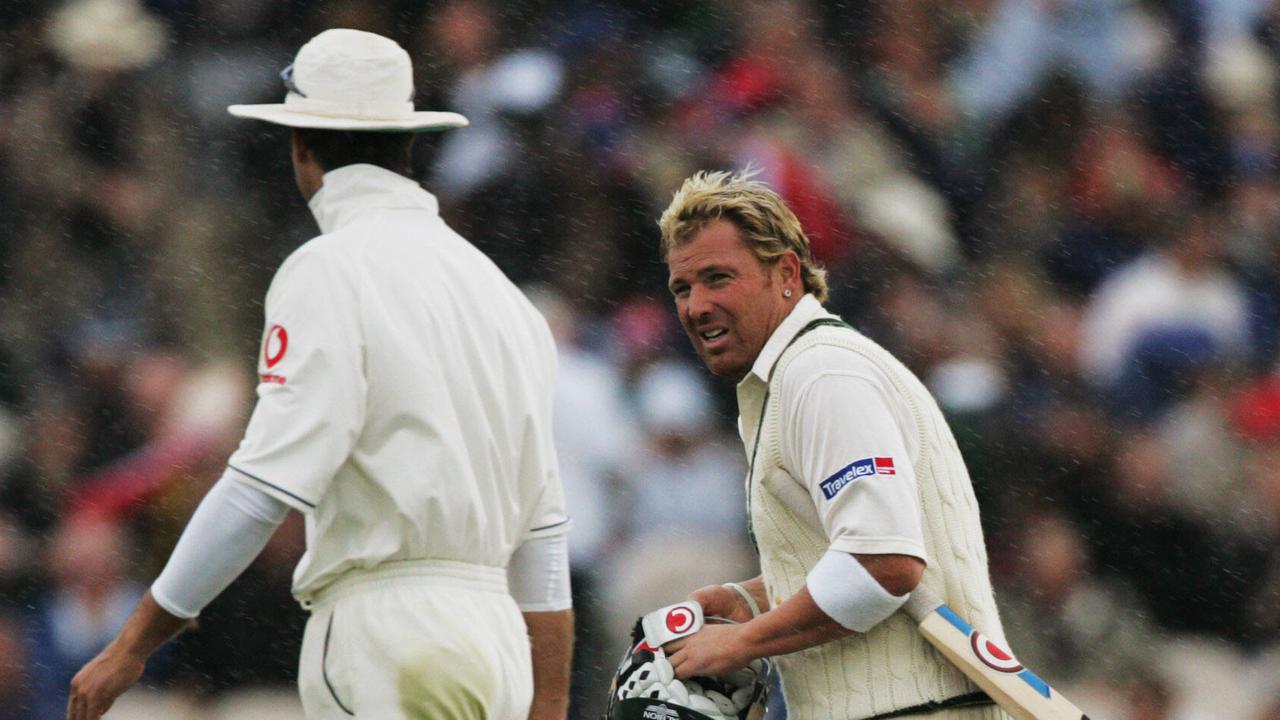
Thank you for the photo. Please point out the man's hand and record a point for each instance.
(720, 601)
(725, 602)
(95, 688)
(106, 677)
(713, 651)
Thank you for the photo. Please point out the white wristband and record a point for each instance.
(845, 591)
(751, 602)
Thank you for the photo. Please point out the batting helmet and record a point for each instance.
(646, 688)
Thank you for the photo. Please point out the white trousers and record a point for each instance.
(420, 640)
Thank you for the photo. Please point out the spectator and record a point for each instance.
(1098, 40)
(1179, 299)
(17, 701)
(1064, 621)
(90, 598)
(594, 434)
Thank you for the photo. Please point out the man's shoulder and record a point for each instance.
(308, 253)
(318, 260)
(831, 345)
(836, 350)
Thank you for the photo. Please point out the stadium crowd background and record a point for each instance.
(1064, 215)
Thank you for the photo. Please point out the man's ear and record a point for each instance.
(789, 269)
(301, 153)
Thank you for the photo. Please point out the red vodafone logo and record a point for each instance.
(679, 619)
(275, 346)
(992, 655)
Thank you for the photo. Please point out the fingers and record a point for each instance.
(92, 693)
(718, 600)
(715, 599)
(678, 660)
(77, 705)
(79, 708)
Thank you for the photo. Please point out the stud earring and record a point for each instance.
(786, 293)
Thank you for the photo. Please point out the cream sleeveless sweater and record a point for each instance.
(892, 666)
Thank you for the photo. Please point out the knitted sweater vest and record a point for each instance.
(892, 666)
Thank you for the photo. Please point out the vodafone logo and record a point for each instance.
(679, 619)
(992, 655)
(275, 346)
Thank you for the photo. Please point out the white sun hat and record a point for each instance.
(350, 80)
(106, 34)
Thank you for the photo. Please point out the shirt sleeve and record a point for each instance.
(311, 398)
(540, 467)
(846, 444)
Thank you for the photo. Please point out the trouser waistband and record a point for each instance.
(452, 573)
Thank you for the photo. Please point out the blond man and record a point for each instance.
(856, 490)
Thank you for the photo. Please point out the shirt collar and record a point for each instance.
(353, 189)
(805, 311)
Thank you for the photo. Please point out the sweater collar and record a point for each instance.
(352, 190)
(805, 311)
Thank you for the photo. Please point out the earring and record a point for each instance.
(786, 293)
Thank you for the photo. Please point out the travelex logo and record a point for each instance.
(660, 712)
(860, 468)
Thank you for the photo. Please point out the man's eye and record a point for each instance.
(717, 278)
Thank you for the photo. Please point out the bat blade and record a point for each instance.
(1017, 690)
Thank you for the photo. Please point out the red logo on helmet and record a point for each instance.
(679, 619)
(274, 347)
(992, 655)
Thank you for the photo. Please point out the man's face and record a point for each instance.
(728, 302)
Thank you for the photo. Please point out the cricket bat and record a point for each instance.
(1017, 690)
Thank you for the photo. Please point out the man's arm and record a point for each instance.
(796, 624)
(227, 531)
(538, 576)
(551, 641)
(95, 688)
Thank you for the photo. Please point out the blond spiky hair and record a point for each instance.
(767, 225)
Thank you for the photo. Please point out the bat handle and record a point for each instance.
(922, 602)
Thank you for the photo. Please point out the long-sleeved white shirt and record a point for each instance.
(405, 402)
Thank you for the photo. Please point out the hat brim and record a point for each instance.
(280, 114)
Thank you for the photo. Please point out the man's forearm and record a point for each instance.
(149, 627)
(796, 624)
(551, 641)
(800, 623)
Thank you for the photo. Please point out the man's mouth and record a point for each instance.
(710, 338)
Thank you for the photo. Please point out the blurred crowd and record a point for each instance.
(1064, 215)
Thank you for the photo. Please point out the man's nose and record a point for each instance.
(699, 303)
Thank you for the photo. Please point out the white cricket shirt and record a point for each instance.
(405, 401)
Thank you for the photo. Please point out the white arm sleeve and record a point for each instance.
(538, 574)
(227, 531)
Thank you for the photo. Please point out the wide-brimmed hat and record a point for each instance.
(350, 80)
